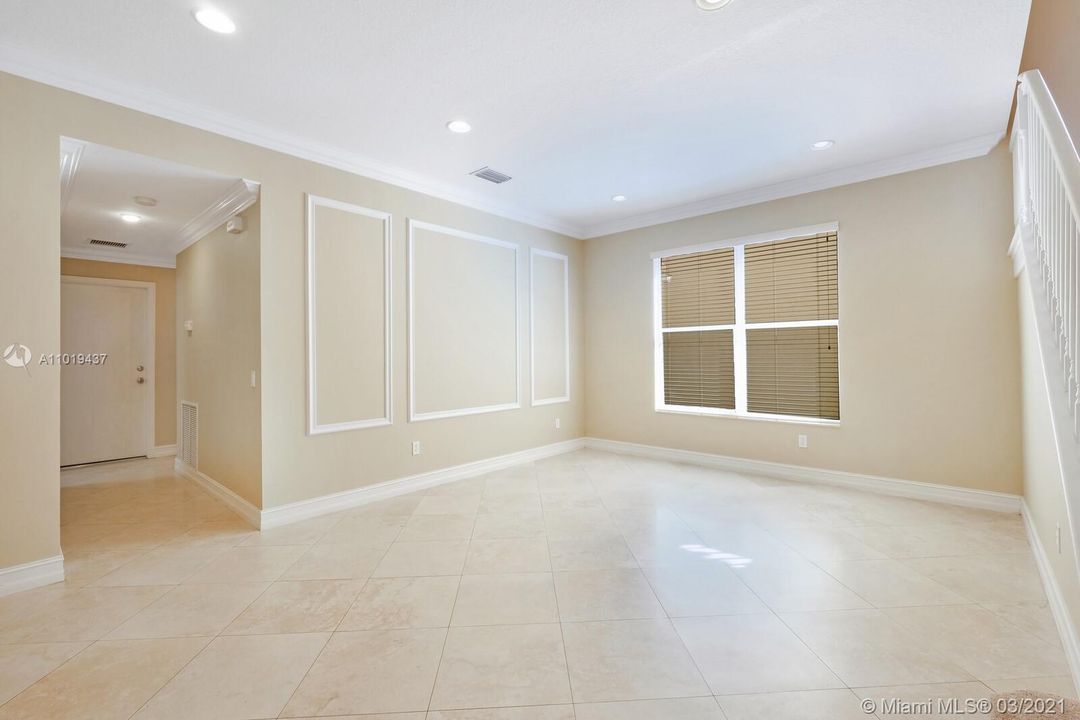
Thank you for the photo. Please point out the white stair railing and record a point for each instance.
(1046, 247)
(1046, 172)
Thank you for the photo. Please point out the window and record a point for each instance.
(750, 327)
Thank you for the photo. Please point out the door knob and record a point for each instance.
(140, 368)
(140, 381)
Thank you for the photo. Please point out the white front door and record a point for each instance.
(105, 407)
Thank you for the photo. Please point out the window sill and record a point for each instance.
(732, 415)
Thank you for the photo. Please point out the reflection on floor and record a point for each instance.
(589, 585)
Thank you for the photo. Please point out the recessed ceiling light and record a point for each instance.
(145, 200)
(458, 126)
(712, 4)
(215, 20)
(823, 144)
(618, 198)
(130, 218)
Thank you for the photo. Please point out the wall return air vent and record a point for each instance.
(486, 173)
(107, 243)
(189, 434)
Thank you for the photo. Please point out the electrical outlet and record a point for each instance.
(802, 441)
(558, 423)
(416, 447)
(1058, 537)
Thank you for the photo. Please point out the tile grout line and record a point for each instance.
(453, 608)
(652, 589)
(337, 625)
(555, 592)
(590, 475)
(776, 615)
(208, 643)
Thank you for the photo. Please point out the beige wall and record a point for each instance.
(164, 331)
(1050, 47)
(217, 289)
(928, 325)
(349, 321)
(928, 338)
(29, 314)
(1043, 488)
(548, 327)
(294, 466)
(465, 324)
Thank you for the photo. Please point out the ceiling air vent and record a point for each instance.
(108, 243)
(486, 173)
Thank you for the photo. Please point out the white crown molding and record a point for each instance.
(115, 256)
(963, 150)
(1059, 607)
(31, 575)
(326, 504)
(966, 497)
(18, 61)
(70, 154)
(239, 197)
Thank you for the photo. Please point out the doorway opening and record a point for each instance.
(125, 217)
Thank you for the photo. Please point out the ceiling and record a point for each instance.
(100, 183)
(678, 109)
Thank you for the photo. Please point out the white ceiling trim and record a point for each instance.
(70, 154)
(963, 150)
(240, 197)
(17, 61)
(115, 257)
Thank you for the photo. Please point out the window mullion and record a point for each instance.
(739, 333)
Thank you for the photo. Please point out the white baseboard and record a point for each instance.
(304, 509)
(239, 505)
(31, 575)
(161, 451)
(982, 499)
(1058, 607)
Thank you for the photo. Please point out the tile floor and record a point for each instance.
(588, 586)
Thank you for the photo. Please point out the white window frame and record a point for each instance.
(738, 328)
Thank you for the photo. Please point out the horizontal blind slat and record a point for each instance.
(790, 371)
(698, 289)
(699, 369)
(789, 280)
(793, 371)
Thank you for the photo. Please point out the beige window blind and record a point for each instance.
(699, 289)
(792, 370)
(699, 369)
(751, 329)
(791, 280)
